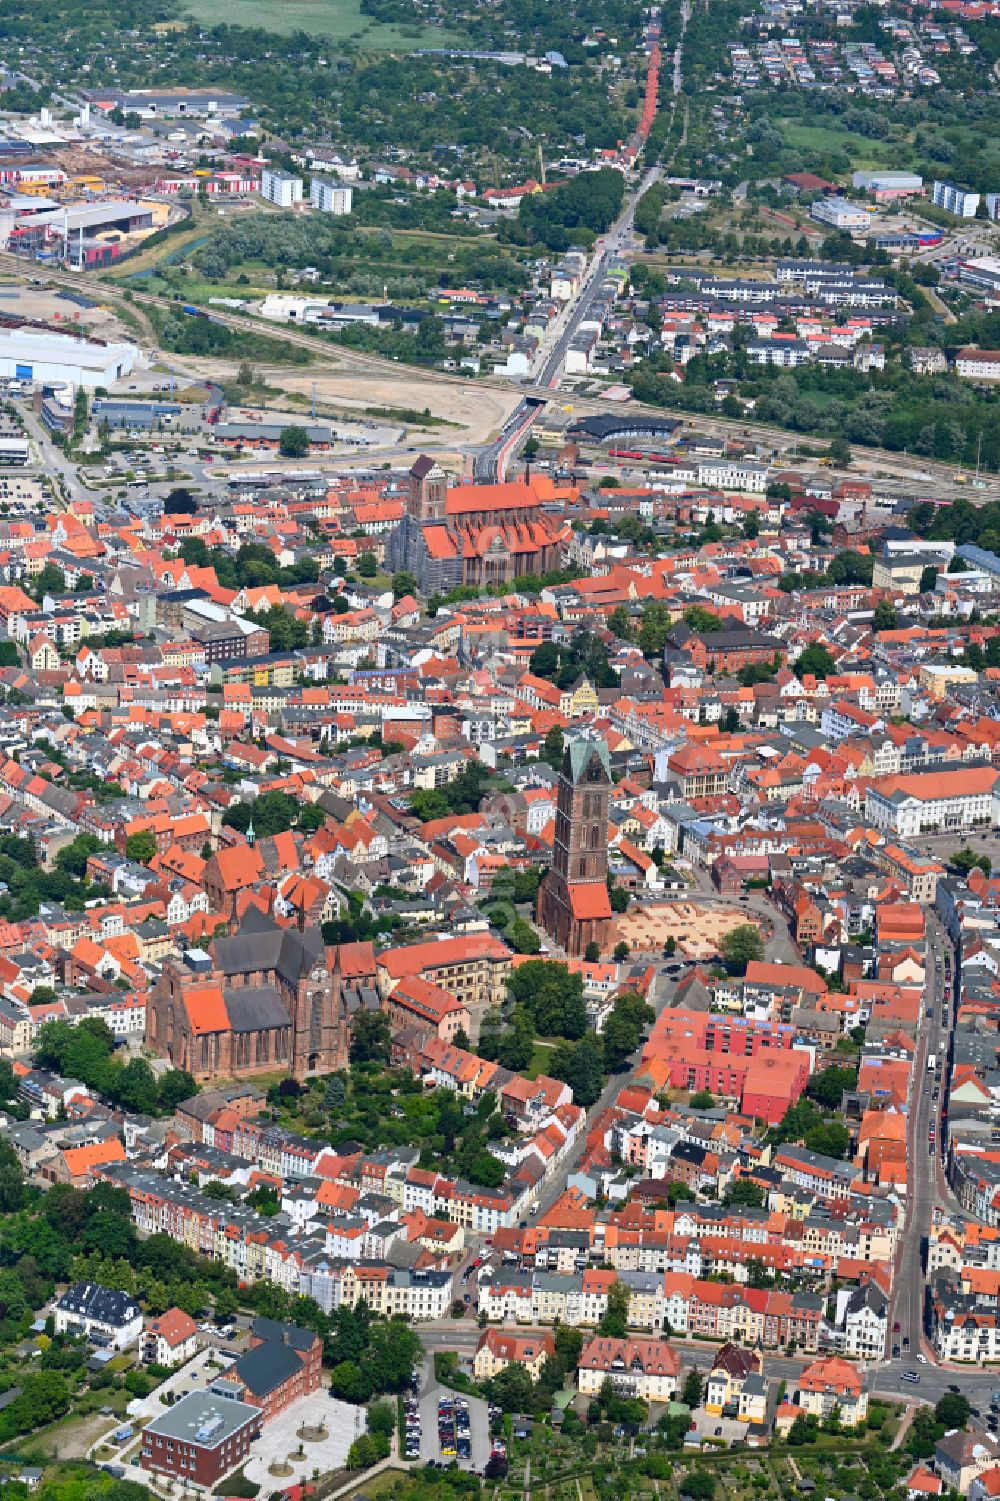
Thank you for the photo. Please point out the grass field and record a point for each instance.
(862, 151)
(340, 20)
(541, 1057)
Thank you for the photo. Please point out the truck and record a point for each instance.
(931, 1062)
(122, 1434)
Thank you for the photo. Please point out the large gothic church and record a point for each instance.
(263, 1000)
(476, 534)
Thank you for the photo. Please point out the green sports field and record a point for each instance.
(340, 20)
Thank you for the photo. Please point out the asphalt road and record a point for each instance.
(613, 245)
(489, 464)
(922, 1159)
(883, 1380)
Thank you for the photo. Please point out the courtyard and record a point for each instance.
(309, 1438)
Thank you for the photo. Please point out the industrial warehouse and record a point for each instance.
(45, 357)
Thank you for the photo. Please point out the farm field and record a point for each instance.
(340, 20)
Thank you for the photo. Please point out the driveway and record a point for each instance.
(706, 1425)
(199, 1372)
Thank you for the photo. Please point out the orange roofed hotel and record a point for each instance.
(476, 534)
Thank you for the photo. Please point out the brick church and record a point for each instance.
(263, 1000)
(476, 534)
(573, 903)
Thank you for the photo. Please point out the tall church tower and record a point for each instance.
(573, 904)
(427, 487)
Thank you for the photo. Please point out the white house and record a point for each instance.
(107, 1318)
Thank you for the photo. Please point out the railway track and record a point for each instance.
(866, 459)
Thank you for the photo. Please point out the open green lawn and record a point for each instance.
(541, 1057)
(862, 151)
(340, 20)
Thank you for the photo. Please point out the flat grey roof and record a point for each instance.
(204, 1419)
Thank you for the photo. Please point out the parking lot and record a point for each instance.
(464, 1429)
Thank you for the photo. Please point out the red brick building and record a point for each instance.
(201, 1438)
(282, 1364)
(573, 903)
(727, 651)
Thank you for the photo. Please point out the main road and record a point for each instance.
(610, 247)
(921, 1154)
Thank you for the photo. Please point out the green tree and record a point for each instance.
(552, 747)
(523, 937)
(827, 1087)
(614, 1322)
(544, 660)
(175, 1085)
(551, 995)
(382, 1418)
(703, 1099)
(348, 1382)
(817, 660)
(370, 1037)
(293, 442)
(486, 1170)
(335, 1094)
(579, 1065)
(512, 1389)
(620, 1039)
(698, 1484)
(678, 1192)
(741, 946)
(73, 857)
(226, 1305)
(885, 617)
(966, 860)
(403, 583)
(265, 1199)
(136, 1088)
(928, 579)
(141, 847)
(746, 1192)
(569, 1345)
(620, 622)
(830, 1139)
(368, 565)
(692, 1389)
(953, 1410)
(592, 952)
(655, 628)
(702, 620)
(363, 1453)
(50, 580)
